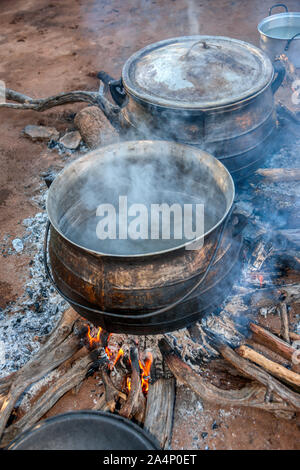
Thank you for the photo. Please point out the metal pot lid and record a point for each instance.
(197, 72)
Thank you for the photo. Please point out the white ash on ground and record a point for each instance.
(35, 313)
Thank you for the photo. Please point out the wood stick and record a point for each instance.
(252, 371)
(284, 322)
(275, 369)
(266, 338)
(253, 395)
(159, 410)
(293, 336)
(112, 394)
(24, 102)
(136, 402)
(34, 370)
(279, 174)
(44, 403)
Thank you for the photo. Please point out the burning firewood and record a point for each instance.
(136, 402)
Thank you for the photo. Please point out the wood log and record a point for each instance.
(266, 338)
(253, 395)
(136, 402)
(66, 382)
(279, 174)
(159, 410)
(252, 371)
(24, 102)
(34, 370)
(275, 369)
(112, 394)
(284, 322)
(293, 336)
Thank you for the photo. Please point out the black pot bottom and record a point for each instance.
(211, 294)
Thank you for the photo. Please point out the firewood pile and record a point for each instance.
(253, 338)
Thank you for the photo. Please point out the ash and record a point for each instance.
(24, 322)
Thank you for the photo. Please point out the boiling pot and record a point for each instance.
(280, 34)
(212, 92)
(128, 291)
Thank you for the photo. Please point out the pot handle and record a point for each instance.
(279, 69)
(278, 5)
(290, 40)
(115, 87)
(145, 315)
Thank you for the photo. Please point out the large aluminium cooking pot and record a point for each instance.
(280, 34)
(124, 285)
(216, 93)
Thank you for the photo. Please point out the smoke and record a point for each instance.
(147, 174)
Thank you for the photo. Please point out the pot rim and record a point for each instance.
(96, 414)
(173, 104)
(272, 18)
(195, 151)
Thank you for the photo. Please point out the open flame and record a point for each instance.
(146, 371)
(145, 368)
(93, 340)
(145, 365)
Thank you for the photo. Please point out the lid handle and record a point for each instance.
(204, 44)
(278, 5)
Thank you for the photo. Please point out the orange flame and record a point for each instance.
(120, 354)
(93, 340)
(146, 371)
(128, 384)
(261, 279)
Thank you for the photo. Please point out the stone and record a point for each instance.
(94, 128)
(41, 133)
(18, 245)
(71, 140)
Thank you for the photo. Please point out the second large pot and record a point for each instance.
(216, 93)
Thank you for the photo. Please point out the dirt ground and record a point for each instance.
(49, 47)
